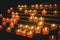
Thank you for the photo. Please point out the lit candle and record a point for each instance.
(32, 6)
(17, 17)
(41, 24)
(32, 28)
(1, 27)
(32, 14)
(25, 6)
(41, 6)
(3, 19)
(35, 19)
(55, 12)
(1, 16)
(20, 9)
(20, 26)
(30, 34)
(26, 11)
(41, 19)
(46, 6)
(35, 12)
(12, 20)
(24, 33)
(18, 6)
(8, 11)
(30, 11)
(53, 26)
(38, 30)
(36, 6)
(7, 20)
(26, 27)
(52, 38)
(44, 12)
(4, 24)
(13, 15)
(45, 31)
(30, 19)
(22, 6)
(55, 6)
(58, 33)
(18, 31)
(8, 29)
(11, 8)
(11, 25)
(50, 6)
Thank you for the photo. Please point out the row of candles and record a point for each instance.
(44, 12)
(29, 31)
(26, 30)
(41, 6)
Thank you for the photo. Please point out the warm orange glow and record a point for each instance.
(24, 33)
(38, 30)
(30, 19)
(1, 16)
(1, 27)
(32, 6)
(41, 6)
(53, 26)
(36, 6)
(41, 19)
(45, 31)
(26, 11)
(11, 8)
(44, 12)
(35, 19)
(50, 6)
(30, 34)
(11, 25)
(8, 29)
(3, 23)
(18, 31)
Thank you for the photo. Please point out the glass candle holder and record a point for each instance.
(11, 8)
(36, 6)
(26, 27)
(11, 25)
(30, 34)
(50, 6)
(26, 11)
(41, 6)
(8, 29)
(41, 24)
(44, 12)
(18, 32)
(55, 12)
(1, 16)
(24, 33)
(35, 12)
(32, 6)
(38, 30)
(41, 19)
(1, 27)
(52, 38)
(25, 6)
(53, 26)
(32, 28)
(31, 19)
(45, 30)
(55, 6)
(35, 19)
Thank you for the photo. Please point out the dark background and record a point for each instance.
(5, 4)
